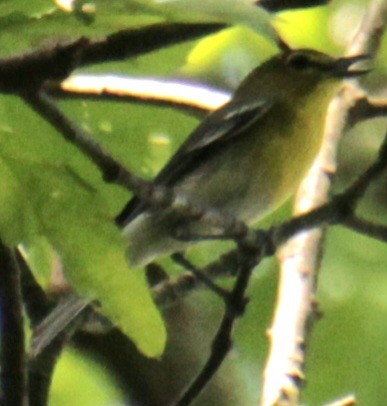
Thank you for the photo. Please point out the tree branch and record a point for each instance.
(365, 108)
(365, 227)
(249, 257)
(30, 70)
(300, 258)
(349, 400)
(188, 97)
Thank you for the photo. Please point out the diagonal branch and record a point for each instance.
(365, 108)
(249, 257)
(365, 227)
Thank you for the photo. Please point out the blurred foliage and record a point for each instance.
(347, 350)
(48, 202)
(226, 57)
(79, 380)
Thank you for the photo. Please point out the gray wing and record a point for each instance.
(221, 126)
(61, 317)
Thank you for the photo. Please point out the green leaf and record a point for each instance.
(16, 218)
(226, 57)
(91, 385)
(73, 218)
(41, 259)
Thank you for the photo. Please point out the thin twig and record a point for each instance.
(359, 187)
(172, 290)
(349, 400)
(180, 259)
(365, 227)
(13, 375)
(235, 307)
(366, 108)
(191, 98)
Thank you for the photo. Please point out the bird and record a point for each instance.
(244, 159)
(247, 157)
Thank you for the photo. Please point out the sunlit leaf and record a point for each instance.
(90, 384)
(73, 218)
(226, 57)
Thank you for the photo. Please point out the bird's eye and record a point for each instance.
(299, 61)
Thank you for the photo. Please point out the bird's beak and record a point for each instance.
(352, 66)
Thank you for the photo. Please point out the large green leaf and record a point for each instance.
(46, 204)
